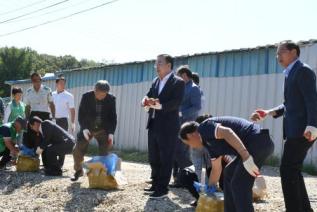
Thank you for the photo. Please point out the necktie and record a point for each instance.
(157, 87)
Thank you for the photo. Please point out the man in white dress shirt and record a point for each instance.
(64, 104)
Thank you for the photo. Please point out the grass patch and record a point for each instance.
(310, 169)
(275, 161)
(272, 161)
(126, 155)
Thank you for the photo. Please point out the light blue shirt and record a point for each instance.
(191, 103)
(289, 68)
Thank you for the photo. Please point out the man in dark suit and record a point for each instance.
(55, 143)
(97, 118)
(162, 102)
(300, 124)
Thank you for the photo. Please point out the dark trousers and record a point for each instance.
(293, 185)
(187, 179)
(81, 147)
(238, 182)
(41, 115)
(161, 148)
(181, 158)
(5, 157)
(54, 152)
(63, 123)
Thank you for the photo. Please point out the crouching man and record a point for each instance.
(55, 144)
(31, 140)
(231, 136)
(97, 118)
(8, 135)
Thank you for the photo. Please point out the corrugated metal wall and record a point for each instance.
(234, 83)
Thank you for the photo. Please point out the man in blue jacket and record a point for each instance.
(191, 103)
(299, 112)
(189, 111)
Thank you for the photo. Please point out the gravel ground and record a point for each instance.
(36, 192)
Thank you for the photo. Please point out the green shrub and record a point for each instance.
(272, 161)
(310, 169)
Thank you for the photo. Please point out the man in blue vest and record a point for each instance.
(231, 136)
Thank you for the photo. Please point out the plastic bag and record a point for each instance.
(259, 189)
(27, 151)
(104, 172)
(109, 162)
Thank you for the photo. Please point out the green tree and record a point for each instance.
(14, 64)
(18, 63)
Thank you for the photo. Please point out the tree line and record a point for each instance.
(18, 63)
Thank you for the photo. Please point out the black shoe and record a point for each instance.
(149, 190)
(77, 175)
(194, 204)
(158, 195)
(53, 172)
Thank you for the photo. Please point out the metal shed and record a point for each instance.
(234, 82)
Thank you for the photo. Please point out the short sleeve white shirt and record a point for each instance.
(38, 100)
(63, 101)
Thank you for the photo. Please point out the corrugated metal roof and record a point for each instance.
(183, 57)
(226, 64)
(220, 64)
(12, 82)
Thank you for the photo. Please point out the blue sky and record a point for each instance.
(135, 30)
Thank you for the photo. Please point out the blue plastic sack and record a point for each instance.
(27, 151)
(109, 161)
